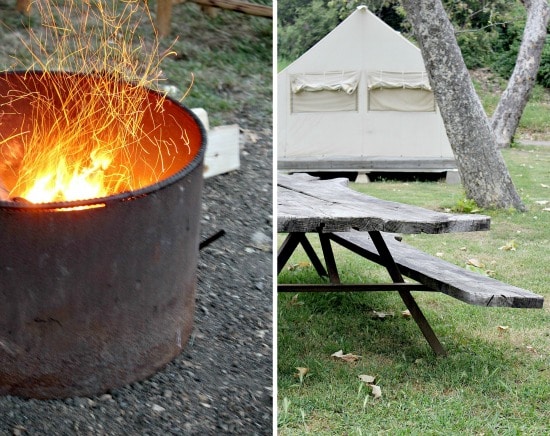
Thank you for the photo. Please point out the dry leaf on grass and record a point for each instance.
(368, 379)
(381, 315)
(406, 314)
(345, 357)
(301, 373)
(478, 267)
(542, 202)
(294, 301)
(510, 246)
(376, 391)
(475, 262)
(503, 328)
(299, 265)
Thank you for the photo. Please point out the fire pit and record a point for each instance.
(96, 292)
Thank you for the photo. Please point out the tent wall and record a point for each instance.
(362, 45)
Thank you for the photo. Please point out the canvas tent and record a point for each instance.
(360, 100)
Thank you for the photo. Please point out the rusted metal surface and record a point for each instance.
(93, 299)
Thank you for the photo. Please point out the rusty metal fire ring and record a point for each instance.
(97, 298)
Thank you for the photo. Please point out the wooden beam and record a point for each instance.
(23, 6)
(164, 17)
(237, 6)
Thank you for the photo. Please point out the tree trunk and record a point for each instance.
(480, 164)
(508, 112)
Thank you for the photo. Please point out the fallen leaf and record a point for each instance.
(475, 262)
(381, 315)
(542, 202)
(299, 265)
(542, 185)
(439, 254)
(349, 357)
(294, 301)
(546, 209)
(376, 391)
(531, 349)
(503, 328)
(368, 379)
(301, 373)
(479, 270)
(510, 246)
(406, 314)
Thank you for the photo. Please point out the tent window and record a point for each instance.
(405, 92)
(403, 100)
(324, 92)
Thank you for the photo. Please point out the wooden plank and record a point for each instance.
(438, 274)
(222, 150)
(307, 204)
(23, 6)
(164, 17)
(236, 6)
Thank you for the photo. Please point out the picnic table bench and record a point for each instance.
(366, 226)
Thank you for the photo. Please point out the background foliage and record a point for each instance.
(488, 31)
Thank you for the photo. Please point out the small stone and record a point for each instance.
(167, 393)
(18, 430)
(261, 241)
(157, 408)
(106, 397)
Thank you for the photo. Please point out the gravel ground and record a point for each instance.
(222, 381)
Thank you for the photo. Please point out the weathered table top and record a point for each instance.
(307, 204)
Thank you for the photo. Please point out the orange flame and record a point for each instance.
(86, 127)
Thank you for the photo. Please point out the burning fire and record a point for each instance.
(58, 184)
(86, 128)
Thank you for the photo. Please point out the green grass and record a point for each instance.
(493, 381)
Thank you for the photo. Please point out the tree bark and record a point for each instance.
(483, 171)
(510, 107)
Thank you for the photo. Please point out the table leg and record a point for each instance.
(406, 296)
(329, 258)
(289, 245)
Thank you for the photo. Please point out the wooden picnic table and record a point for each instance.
(365, 225)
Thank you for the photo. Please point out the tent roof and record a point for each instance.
(361, 39)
